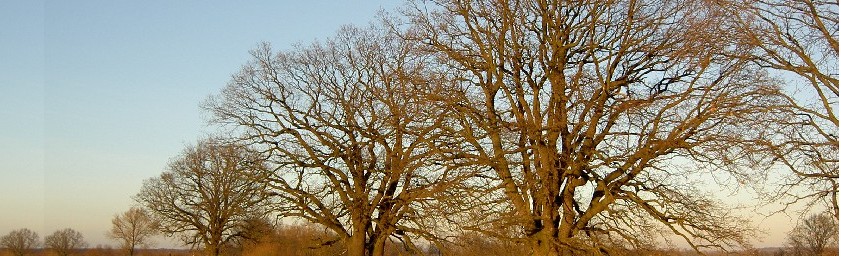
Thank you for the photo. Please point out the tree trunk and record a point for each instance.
(544, 243)
(212, 248)
(379, 246)
(356, 244)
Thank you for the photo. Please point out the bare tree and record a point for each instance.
(64, 242)
(20, 242)
(207, 192)
(598, 115)
(353, 129)
(813, 235)
(133, 228)
(798, 40)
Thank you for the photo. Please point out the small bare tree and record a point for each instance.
(353, 129)
(133, 228)
(813, 235)
(207, 192)
(64, 242)
(20, 242)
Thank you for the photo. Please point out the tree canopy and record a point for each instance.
(208, 191)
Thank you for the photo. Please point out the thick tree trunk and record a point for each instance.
(212, 250)
(378, 246)
(213, 247)
(544, 243)
(356, 243)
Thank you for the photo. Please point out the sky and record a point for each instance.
(97, 96)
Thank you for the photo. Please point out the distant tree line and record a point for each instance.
(62, 242)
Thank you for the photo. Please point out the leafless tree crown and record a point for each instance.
(20, 242)
(65, 242)
(594, 114)
(354, 129)
(133, 228)
(206, 192)
(813, 235)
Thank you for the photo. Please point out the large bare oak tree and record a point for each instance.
(352, 130)
(599, 117)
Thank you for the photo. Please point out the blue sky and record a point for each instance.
(96, 96)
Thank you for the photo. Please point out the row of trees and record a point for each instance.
(212, 215)
(132, 228)
(568, 127)
(63, 242)
(815, 235)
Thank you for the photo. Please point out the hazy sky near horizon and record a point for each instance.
(97, 96)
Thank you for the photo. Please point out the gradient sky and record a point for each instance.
(96, 96)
